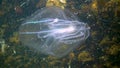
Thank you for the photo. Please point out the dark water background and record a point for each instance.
(101, 49)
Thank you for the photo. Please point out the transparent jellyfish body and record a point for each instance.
(53, 31)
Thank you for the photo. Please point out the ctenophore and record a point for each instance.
(53, 31)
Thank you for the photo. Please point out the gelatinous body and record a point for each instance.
(53, 31)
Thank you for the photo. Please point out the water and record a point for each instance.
(53, 31)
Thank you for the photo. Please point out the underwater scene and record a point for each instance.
(59, 33)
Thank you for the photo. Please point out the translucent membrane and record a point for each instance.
(53, 31)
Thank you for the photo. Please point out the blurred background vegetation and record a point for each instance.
(100, 50)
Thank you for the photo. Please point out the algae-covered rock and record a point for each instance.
(85, 56)
(59, 3)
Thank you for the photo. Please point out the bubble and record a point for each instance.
(53, 31)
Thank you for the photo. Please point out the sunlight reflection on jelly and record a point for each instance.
(53, 31)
